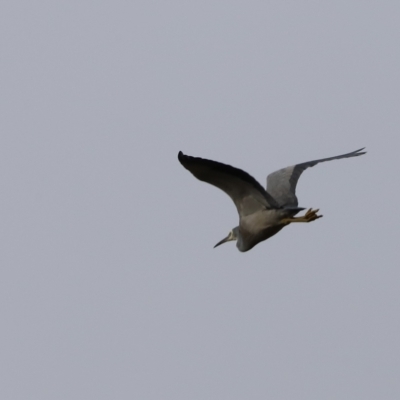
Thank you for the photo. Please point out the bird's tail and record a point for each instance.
(294, 210)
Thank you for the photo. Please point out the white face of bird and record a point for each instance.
(231, 236)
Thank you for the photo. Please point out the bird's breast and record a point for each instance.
(258, 227)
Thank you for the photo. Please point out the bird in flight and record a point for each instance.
(262, 213)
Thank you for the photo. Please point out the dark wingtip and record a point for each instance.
(184, 159)
(359, 152)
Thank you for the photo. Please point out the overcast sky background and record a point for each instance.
(110, 287)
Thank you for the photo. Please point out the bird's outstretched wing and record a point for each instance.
(281, 184)
(247, 194)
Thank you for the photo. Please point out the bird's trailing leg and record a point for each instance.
(310, 215)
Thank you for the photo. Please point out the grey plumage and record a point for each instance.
(262, 213)
(281, 184)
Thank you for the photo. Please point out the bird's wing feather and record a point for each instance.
(247, 194)
(281, 184)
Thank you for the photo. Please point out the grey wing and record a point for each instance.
(247, 194)
(281, 184)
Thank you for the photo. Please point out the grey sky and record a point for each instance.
(110, 287)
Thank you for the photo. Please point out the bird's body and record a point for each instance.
(260, 226)
(262, 213)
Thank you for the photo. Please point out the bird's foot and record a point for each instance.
(311, 215)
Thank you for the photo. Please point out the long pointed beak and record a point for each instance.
(227, 239)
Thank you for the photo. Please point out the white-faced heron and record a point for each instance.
(262, 213)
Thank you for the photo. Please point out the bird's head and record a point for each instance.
(233, 235)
